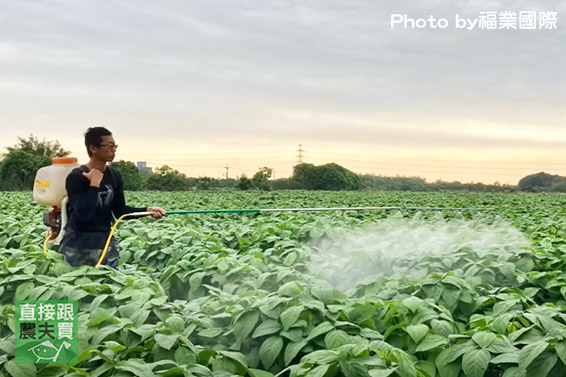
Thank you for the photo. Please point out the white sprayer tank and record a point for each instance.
(49, 186)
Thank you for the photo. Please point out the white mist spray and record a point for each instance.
(345, 257)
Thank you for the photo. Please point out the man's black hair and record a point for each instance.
(93, 136)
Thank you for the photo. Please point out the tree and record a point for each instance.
(23, 160)
(32, 145)
(244, 183)
(539, 182)
(260, 180)
(326, 177)
(302, 174)
(167, 179)
(130, 174)
(18, 170)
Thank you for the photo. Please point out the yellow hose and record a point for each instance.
(105, 250)
(46, 241)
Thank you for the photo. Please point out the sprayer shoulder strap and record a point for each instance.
(113, 174)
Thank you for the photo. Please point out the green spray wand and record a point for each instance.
(272, 210)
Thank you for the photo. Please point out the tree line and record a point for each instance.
(20, 164)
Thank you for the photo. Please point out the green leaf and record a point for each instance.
(381, 372)
(321, 357)
(166, 341)
(474, 362)
(328, 295)
(506, 358)
(245, 324)
(23, 290)
(431, 341)
(323, 328)
(446, 369)
(20, 370)
(336, 338)
(412, 303)
(56, 371)
(99, 315)
(503, 307)
(210, 333)
(259, 373)
(140, 368)
(483, 338)
(134, 312)
(102, 333)
(501, 322)
(294, 335)
(501, 345)
(269, 350)
(290, 289)
(361, 313)
(542, 365)
(7, 347)
(441, 327)
(290, 316)
(530, 352)
(184, 355)
(351, 368)
(292, 350)
(319, 371)
(267, 327)
(428, 367)
(236, 356)
(417, 332)
(144, 331)
(406, 365)
(176, 323)
(515, 372)
(560, 348)
(459, 349)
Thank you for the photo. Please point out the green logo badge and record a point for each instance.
(46, 331)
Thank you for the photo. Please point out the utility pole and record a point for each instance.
(227, 168)
(300, 156)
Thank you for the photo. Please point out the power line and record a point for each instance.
(447, 172)
(428, 165)
(459, 161)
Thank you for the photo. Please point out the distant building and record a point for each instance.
(143, 169)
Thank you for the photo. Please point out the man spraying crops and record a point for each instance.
(96, 194)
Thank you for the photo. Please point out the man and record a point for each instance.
(96, 194)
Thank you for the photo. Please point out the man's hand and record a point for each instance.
(156, 212)
(94, 176)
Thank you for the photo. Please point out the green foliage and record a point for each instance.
(542, 182)
(33, 145)
(232, 295)
(130, 175)
(244, 183)
(326, 177)
(260, 180)
(20, 164)
(18, 169)
(166, 179)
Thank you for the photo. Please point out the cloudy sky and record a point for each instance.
(199, 84)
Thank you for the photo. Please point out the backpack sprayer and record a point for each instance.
(49, 189)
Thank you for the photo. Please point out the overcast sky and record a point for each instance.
(198, 84)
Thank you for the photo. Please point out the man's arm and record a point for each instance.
(83, 197)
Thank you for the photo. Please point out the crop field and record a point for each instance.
(382, 293)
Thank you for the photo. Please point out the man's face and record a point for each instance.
(106, 151)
